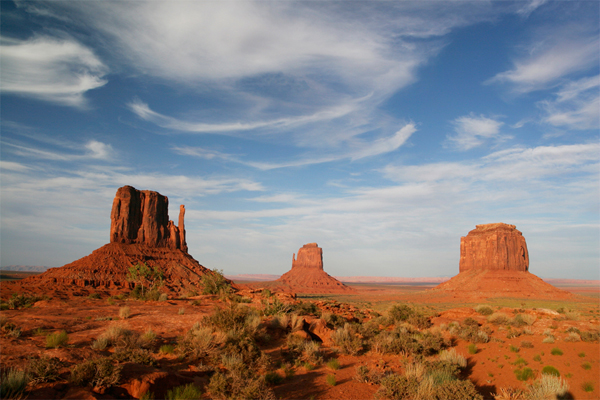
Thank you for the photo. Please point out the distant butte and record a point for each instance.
(140, 232)
(494, 262)
(307, 274)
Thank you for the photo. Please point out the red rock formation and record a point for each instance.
(494, 262)
(494, 246)
(142, 217)
(140, 233)
(307, 274)
(309, 256)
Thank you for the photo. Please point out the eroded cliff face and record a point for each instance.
(142, 217)
(496, 246)
(309, 256)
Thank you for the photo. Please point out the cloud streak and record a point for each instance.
(473, 131)
(55, 70)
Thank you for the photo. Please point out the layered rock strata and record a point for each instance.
(494, 262)
(494, 246)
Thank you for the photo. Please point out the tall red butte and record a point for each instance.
(494, 262)
(307, 274)
(140, 232)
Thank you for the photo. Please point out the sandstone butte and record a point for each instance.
(494, 262)
(307, 274)
(140, 232)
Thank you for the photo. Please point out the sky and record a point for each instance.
(383, 131)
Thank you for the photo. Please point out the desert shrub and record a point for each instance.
(556, 351)
(589, 336)
(137, 356)
(453, 357)
(455, 390)
(498, 319)
(311, 352)
(100, 372)
(163, 297)
(11, 330)
(18, 301)
(514, 349)
(273, 378)
(94, 296)
(181, 311)
(396, 386)
(13, 383)
(347, 339)
(518, 321)
(124, 312)
(587, 387)
(215, 283)
(43, 369)
(100, 344)
(147, 338)
(57, 339)
(550, 370)
(184, 392)
(280, 321)
(470, 322)
(197, 342)
(547, 387)
(524, 374)
(306, 308)
(362, 374)
(233, 318)
(484, 309)
(472, 348)
(400, 313)
(333, 364)
(526, 344)
(238, 382)
(520, 362)
(144, 276)
(296, 322)
(330, 379)
(586, 365)
(119, 337)
(472, 334)
(333, 320)
(582, 354)
(548, 339)
(167, 349)
(573, 337)
(511, 334)
(572, 315)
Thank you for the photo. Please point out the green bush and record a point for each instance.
(13, 383)
(514, 349)
(273, 378)
(455, 390)
(498, 319)
(239, 382)
(586, 365)
(184, 392)
(198, 342)
(58, 339)
(550, 370)
(18, 301)
(587, 387)
(137, 356)
(215, 283)
(100, 372)
(167, 349)
(396, 386)
(556, 351)
(331, 380)
(347, 339)
(484, 309)
(142, 275)
(472, 348)
(333, 364)
(524, 374)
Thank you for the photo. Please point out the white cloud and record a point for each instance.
(473, 131)
(56, 70)
(530, 7)
(355, 149)
(93, 149)
(550, 60)
(13, 166)
(577, 105)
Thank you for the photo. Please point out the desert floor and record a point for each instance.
(491, 365)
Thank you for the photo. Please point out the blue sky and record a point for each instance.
(383, 131)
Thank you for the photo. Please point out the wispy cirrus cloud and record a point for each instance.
(576, 105)
(92, 150)
(473, 131)
(56, 70)
(355, 149)
(550, 59)
(530, 6)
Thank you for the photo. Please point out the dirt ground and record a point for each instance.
(490, 368)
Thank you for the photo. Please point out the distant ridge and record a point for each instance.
(24, 268)
(395, 279)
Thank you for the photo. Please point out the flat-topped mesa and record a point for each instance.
(142, 217)
(496, 246)
(309, 256)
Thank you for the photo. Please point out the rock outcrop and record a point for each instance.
(140, 232)
(142, 217)
(494, 246)
(307, 274)
(494, 262)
